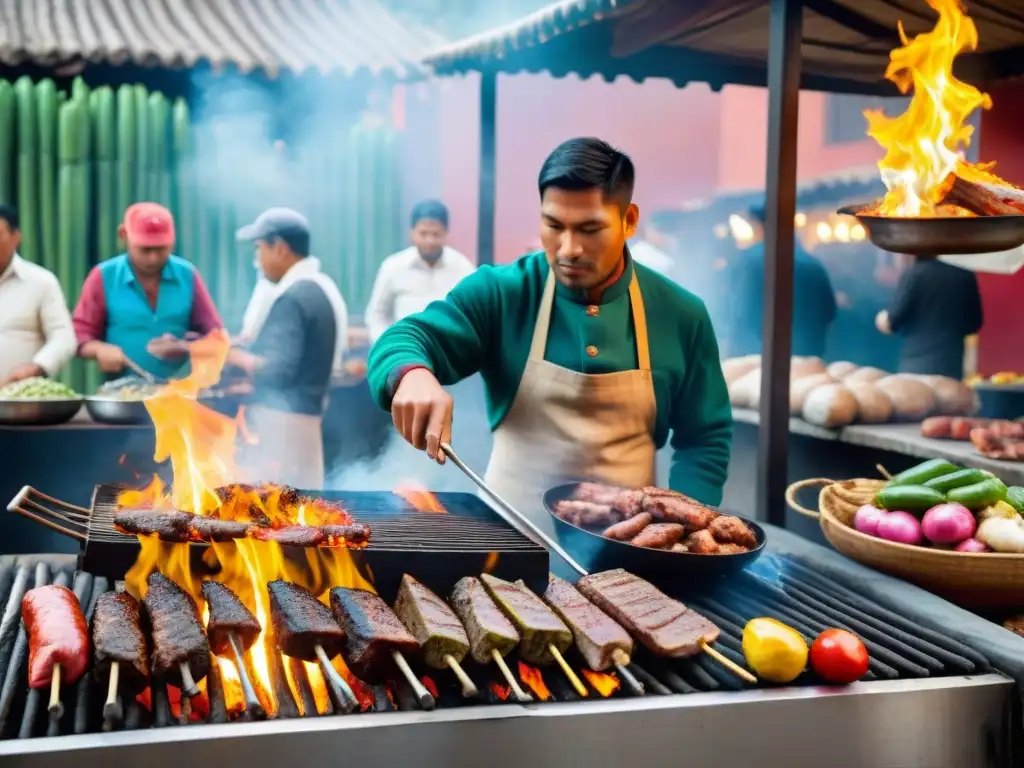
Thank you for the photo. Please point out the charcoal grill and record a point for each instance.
(692, 708)
(471, 538)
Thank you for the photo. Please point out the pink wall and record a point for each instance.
(669, 132)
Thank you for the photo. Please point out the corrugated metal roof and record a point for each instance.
(846, 43)
(272, 35)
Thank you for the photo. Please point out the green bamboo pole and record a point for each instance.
(28, 168)
(159, 176)
(8, 144)
(46, 125)
(185, 185)
(127, 139)
(143, 146)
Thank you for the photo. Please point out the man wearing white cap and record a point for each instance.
(298, 343)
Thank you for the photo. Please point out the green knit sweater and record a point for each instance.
(486, 324)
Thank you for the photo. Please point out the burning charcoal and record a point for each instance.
(292, 535)
(538, 626)
(434, 625)
(168, 526)
(486, 626)
(228, 615)
(117, 637)
(301, 622)
(178, 638)
(601, 641)
(372, 632)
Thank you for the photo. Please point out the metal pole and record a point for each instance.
(780, 189)
(488, 142)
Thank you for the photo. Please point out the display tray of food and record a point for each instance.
(38, 402)
(999, 439)
(838, 394)
(958, 532)
(652, 531)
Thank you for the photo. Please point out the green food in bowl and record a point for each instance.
(37, 388)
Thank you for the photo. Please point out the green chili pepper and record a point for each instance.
(979, 495)
(958, 479)
(924, 472)
(908, 498)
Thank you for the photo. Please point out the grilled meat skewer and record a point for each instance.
(291, 535)
(208, 528)
(491, 635)
(232, 629)
(58, 640)
(304, 629)
(173, 527)
(443, 640)
(119, 648)
(181, 652)
(600, 640)
(375, 639)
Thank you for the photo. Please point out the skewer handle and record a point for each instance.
(736, 669)
(521, 696)
(347, 700)
(56, 708)
(622, 660)
(252, 701)
(424, 696)
(469, 689)
(185, 711)
(581, 689)
(112, 711)
(188, 685)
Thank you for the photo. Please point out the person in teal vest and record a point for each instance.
(589, 359)
(132, 305)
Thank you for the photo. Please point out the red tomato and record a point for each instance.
(839, 657)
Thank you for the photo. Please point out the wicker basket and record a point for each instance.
(974, 580)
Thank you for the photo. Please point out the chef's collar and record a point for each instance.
(614, 291)
(13, 269)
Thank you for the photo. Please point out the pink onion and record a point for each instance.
(867, 519)
(948, 524)
(972, 545)
(901, 527)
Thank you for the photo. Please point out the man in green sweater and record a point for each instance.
(589, 360)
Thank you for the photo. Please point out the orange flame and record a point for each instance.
(420, 498)
(391, 696)
(922, 145)
(430, 685)
(605, 684)
(362, 692)
(501, 691)
(533, 679)
(491, 562)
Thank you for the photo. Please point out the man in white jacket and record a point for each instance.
(426, 271)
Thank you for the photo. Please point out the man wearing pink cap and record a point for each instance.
(131, 300)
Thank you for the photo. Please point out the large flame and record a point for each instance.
(604, 683)
(922, 146)
(201, 446)
(534, 680)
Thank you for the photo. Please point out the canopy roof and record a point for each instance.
(845, 46)
(346, 36)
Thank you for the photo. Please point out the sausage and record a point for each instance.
(937, 427)
(599, 493)
(679, 509)
(659, 535)
(731, 530)
(627, 529)
(629, 503)
(586, 513)
(57, 634)
(702, 543)
(1008, 430)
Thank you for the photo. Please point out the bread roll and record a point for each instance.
(745, 392)
(831, 406)
(912, 399)
(873, 405)
(737, 367)
(866, 373)
(840, 369)
(805, 366)
(800, 388)
(953, 398)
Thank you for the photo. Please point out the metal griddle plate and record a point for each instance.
(439, 548)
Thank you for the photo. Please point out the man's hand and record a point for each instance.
(24, 371)
(109, 357)
(422, 412)
(882, 323)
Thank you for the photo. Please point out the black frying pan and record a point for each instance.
(596, 553)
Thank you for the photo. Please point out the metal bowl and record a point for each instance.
(38, 413)
(114, 410)
(940, 236)
(596, 553)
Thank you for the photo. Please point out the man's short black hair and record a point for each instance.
(589, 163)
(296, 240)
(434, 210)
(9, 214)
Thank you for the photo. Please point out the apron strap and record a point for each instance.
(539, 343)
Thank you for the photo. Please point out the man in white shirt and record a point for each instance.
(36, 335)
(426, 271)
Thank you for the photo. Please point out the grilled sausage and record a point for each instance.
(659, 535)
(701, 543)
(586, 513)
(629, 503)
(680, 509)
(731, 530)
(57, 634)
(598, 493)
(937, 427)
(628, 529)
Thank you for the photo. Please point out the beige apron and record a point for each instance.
(290, 450)
(565, 426)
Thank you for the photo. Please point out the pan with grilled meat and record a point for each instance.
(604, 547)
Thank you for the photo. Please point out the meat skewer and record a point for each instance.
(232, 628)
(58, 640)
(442, 638)
(544, 637)
(374, 638)
(119, 641)
(600, 641)
(304, 629)
(491, 635)
(181, 651)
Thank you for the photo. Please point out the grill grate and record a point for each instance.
(795, 595)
